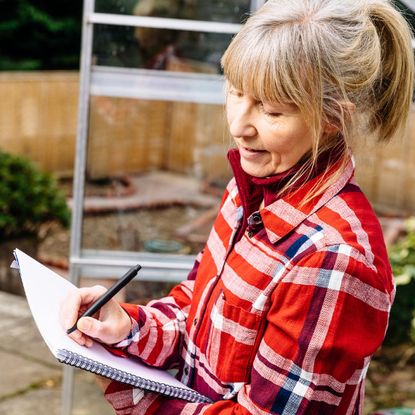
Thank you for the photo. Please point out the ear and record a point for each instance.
(349, 108)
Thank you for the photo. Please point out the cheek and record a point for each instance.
(284, 139)
(230, 110)
(228, 116)
(277, 138)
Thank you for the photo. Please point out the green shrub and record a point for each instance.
(37, 35)
(28, 198)
(402, 258)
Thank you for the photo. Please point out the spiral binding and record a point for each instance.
(76, 360)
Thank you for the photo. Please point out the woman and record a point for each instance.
(290, 297)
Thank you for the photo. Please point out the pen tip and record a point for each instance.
(71, 330)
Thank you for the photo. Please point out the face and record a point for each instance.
(271, 137)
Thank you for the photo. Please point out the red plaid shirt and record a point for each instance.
(283, 320)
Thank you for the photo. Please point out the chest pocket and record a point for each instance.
(231, 340)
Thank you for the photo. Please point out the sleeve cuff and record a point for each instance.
(132, 337)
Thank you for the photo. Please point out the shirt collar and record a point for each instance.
(283, 214)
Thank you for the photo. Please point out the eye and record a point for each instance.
(272, 114)
(235, 92)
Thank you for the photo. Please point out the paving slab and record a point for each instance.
(24, 340)
(30, 377)
(13, 308)
(171, 189)
(20, 374)
(18, 332)
(46, 399)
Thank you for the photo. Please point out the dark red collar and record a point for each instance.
(252, 190)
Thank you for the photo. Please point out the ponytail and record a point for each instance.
(393, 91)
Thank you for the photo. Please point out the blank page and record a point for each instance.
(45, 291)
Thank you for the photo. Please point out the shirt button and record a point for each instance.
(256, 217)
(250, 234)
(186, 370)
(195, 322)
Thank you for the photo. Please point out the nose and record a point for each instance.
(241, 122)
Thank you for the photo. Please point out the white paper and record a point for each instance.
(45, 291)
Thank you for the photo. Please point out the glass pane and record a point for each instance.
(156, 171)
(163, 49)
(232, 11)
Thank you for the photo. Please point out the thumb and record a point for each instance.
(90, 326)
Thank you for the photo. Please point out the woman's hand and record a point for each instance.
(110, 325)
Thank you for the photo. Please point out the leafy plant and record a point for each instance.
(39, 34)
(28, 198)
(402, 258)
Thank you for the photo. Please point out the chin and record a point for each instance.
(255, 172)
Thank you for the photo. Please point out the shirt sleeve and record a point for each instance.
(158, 327)
(328, 315)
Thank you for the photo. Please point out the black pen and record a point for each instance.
(122, 282)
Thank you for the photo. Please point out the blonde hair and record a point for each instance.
(323, 55)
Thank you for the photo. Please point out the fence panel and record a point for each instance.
(38, 116)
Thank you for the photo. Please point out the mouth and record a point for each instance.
(252, 150)
(249, 153)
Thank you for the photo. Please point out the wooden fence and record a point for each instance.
(38, 114)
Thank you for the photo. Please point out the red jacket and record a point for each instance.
(283, 320)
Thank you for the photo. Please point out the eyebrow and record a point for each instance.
(282, 105)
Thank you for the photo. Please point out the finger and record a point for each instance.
(80, 338)
(88, 342)
(104, 331)
(91, 294)
(69, 309)
(76, 302)
(91, 327)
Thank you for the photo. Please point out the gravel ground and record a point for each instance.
(128, 231)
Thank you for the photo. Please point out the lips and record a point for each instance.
(250, 153)
(253, 150)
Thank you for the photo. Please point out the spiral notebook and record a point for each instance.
(44, 291)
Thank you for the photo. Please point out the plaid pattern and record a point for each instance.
(284, 321)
